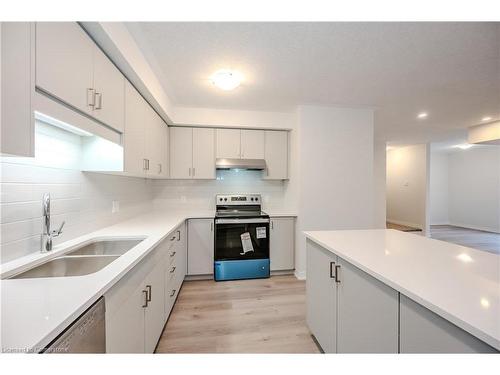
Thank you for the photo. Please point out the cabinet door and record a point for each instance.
(125, 328)
(164, 151)
(17, 76)
(154, 312)
(321, 293)
(109, 85)
(203, 153)
(276, 155)
(181, 152)
(367, 317)
(228, 143)
(64, 63)
(155, 143)
(200, 247)
(282, 244)
(422, 331)
(134, 140)
(252, 144)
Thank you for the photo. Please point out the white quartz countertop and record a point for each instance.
(35, 311)
(460, 284)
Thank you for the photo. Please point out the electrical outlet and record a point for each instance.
(115, 207)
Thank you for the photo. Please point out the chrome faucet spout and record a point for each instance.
(47, 234)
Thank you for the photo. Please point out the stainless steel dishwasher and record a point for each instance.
(87, 334)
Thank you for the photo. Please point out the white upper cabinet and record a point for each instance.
(192, 153)
(64, 63)
(203, 153)
(252, 144)
(71, 68)
(109, 86)
(17, 51)
(276, 155)
(228, 143)
(156, 145)
(181, 152)
(134, 139)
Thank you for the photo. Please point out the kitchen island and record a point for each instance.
(390, 291)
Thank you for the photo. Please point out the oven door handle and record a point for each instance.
(242, 221)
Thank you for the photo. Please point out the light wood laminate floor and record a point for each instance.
(247, 316)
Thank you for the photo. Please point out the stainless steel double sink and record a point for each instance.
(83, 260)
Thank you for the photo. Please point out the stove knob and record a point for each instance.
(251, 199)
(220, 199)
(225, 199)
(256, 199)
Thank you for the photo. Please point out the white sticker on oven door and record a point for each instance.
(246, 243)
(261, 232)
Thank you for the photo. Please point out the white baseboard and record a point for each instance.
(467, 226)
(406, 223)
(301, 275)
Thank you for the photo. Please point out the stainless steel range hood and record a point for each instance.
(251, 164)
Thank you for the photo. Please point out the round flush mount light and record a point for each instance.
(225, 79)
(486, 118)
(464, 146)
(422, 115)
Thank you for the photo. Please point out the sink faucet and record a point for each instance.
(47, 234)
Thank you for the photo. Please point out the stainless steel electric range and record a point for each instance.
(241, 248)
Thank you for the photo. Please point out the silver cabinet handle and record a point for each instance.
(189, 172)
(173, 253)
(159, 168)
(172, 270)
(145, 292)
(98, 102)
(90, 97)
(144, 164)
(194, 171)
(147, 162)
(337, 273)
(272, 224)
(148, 289)
(173, 292)
(332, 276)
(211, 226)
(173, 238)
(178, 235)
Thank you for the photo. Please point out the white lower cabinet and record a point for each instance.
(422, 331)
(282, 243)
(348, 311)
(200, 247)
(138, 306)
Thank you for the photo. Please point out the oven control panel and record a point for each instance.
(240, 199)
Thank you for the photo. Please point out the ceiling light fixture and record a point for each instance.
(226, 80)
(422, 115)
(464, 146)
(486, 118)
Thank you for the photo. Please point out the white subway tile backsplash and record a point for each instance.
(81, 199)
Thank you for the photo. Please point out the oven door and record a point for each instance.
(241, 239)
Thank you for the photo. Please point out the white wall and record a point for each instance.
(335, 184)
(474, 188)
(439, 189)
(379, 184)
(83, 200)
(407, 186)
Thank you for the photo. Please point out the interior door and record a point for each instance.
(64, 63)
(228, 143)
(276, 155)
(181, 152)
(321, 292)
(252, 144)
(203, 153)
(155, 284)
(134, 139)
(367, 313)
(109, 85)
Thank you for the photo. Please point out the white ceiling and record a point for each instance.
(450, 70)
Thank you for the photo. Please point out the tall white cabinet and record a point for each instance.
(192, 153)
(17, 53)
(200, 247)
(282, 243)
(349, 311)
(276, 154)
